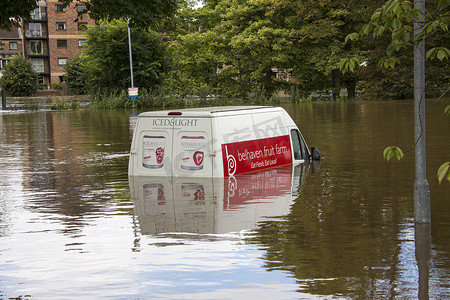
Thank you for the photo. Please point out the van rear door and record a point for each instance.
(192, 147)
(175, 146)
(155, 136)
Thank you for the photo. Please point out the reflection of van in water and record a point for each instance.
(216, 142)
(215, 205)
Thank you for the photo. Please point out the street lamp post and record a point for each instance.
(131, 56)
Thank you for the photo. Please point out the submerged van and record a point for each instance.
(215, 142)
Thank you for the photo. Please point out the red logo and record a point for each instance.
(198, 157)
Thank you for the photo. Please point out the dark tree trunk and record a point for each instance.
(336, 83)
(351, 88)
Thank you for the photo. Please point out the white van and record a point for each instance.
(215, 142)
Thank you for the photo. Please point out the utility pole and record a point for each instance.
(421, 189)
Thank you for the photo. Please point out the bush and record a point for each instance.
(57, 86)
(106, 58)
(65, 105)
(19, 78)
(75, 76)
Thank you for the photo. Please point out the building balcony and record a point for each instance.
(37, 53)
(40, 65)
(39, 69)
(36, 34)
(39, 17)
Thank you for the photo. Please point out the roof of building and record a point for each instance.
(9, 35)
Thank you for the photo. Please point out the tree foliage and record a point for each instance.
(76, 76)
(396, 19)
(11, 12)
(142, 13)
(106, 57)
(19, 78)
(444, 171)
(393, 152)
(304, 38)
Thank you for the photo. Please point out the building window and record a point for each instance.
(36, 47)
(61, 43)
(81, 43)
(62, 61)
(35, 30)
(82, 26)
(60, 7)
(38, 64)
(81, 8)
(12, 45)
(61, 26)
(40, 80)
(62, 79)
(3, 63)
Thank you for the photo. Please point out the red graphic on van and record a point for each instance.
(159, 155)
(198, 157)
(248, 156)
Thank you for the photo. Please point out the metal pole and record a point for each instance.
(131, 56)
(421, 189)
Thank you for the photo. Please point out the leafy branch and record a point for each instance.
(393, 152)
(443, 171)
(397, 17)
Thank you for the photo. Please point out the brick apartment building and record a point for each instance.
(11, 45)
(49, 38)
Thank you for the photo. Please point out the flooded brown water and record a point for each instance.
(73, 226)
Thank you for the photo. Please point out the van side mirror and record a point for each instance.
(315, 153)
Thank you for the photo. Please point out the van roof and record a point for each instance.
(208, 112)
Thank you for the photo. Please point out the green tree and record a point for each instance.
(106, 57)
(234, 31)
(302, 36)
(396, 18)
(322, 28)
(76, 76)
(142, 13)
(193, 62)
(11, 12)
(386, 40)
(19, 77)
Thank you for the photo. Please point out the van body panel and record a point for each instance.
(214, 141)
(247, 156)
(235, 129)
